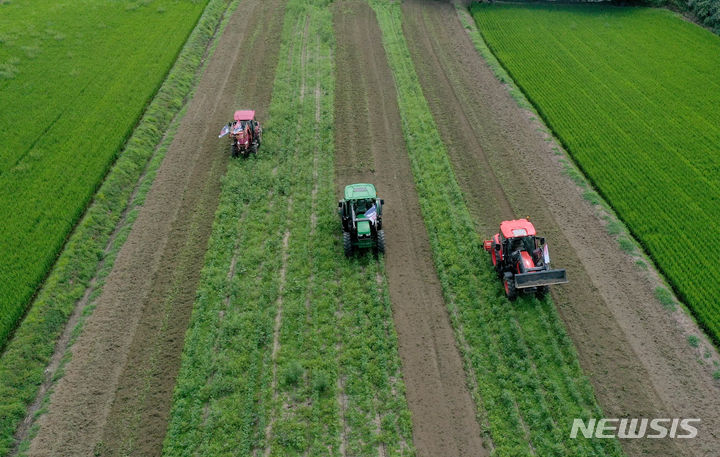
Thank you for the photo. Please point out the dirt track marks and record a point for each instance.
(116, 392)
(637, 359)
(370, 147)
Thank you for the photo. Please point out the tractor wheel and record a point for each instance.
(233, 151)
(253, 148)
(347, 244)
(542, 291)
(510, 290)
(381, 241)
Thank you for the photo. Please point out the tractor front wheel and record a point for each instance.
(254, 148)
(381, 241)
(233, 151)
(347, 244)
(510, 290)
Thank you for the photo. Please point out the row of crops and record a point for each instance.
(527, 383)
(634, 96)
(291, 349)
(75, 76)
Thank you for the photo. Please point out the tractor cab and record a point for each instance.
(361, 215)
(243, 123)
(518, 237)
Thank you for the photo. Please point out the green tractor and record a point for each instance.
(361, 214)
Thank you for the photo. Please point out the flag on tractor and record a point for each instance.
(371, 213)
(225, 130)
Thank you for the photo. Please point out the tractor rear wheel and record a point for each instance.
(510, 290)
(347, 244)
(381, 241)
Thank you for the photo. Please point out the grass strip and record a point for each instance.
(27, 354)
(529, 380)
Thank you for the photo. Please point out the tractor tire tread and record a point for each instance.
(381, 241)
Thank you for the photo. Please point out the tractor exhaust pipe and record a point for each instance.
(540, 278)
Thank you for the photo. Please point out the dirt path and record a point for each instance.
(634, 353)
(370, 147)
(115, 395)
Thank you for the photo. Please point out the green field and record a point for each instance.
(75, 76)
(634, 95)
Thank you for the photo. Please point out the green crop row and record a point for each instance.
(290, 349)
(522, 366)
(91, 250)
(75, 79)
(633, 95)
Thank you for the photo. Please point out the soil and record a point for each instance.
(115, 395)
(370, 147)
(632, 349)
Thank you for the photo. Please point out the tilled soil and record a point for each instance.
(370, 148)
(115, 395)
(634, 353)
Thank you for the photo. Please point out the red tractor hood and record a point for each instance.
(527, 260)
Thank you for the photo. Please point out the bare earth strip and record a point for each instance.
(115, 395)
(370, 148)
(634, 353)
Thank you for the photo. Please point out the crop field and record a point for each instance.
(304, 362)
(203, 304)
(75, 76)
(524, 365)
(633, 94)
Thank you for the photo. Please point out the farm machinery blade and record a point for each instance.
(540, 278)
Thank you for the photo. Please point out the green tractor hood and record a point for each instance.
(363, 228)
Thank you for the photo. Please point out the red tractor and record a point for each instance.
(245, 133)
(521, 260)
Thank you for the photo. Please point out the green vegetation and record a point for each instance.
(641, 117)
(664, 296)
(90, 252)
(291, 348)
(76, 77)
(707, 11)
(524, 372)
(693, 340)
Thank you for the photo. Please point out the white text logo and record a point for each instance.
(635, 428)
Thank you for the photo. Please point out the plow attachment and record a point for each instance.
(541, 278)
